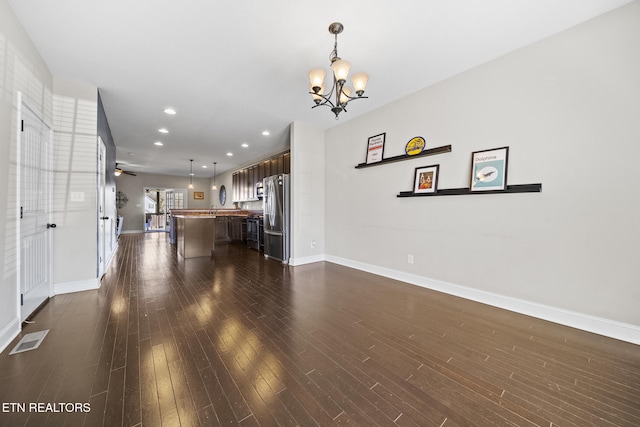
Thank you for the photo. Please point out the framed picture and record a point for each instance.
(375, 148)
(426, 179)
(198, 195)
(489, 169)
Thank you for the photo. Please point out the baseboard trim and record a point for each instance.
(601, 326)
(8, 333)
(132, 232)
(79, 286)
(306, 260)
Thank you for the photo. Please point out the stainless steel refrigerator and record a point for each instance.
(276, 217)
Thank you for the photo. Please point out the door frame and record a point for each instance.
(165, 190)
(101, 209)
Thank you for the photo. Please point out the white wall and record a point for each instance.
(21, 70)
(307, 194)
(568, 108)
(75, 242)
(225, 179)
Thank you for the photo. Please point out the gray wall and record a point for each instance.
(568, 108)
(133, 187)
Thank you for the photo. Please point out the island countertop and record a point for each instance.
(216, 212)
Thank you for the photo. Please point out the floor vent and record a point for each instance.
(30, 342)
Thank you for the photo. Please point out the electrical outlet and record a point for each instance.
(313, 244)
(410, 259)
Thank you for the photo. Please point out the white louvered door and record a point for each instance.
(35, 208)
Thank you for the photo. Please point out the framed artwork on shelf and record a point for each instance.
(489, 169)
(426, 179)
(375, 148)
(198, 195)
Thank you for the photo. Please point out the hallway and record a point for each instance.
(238, 339)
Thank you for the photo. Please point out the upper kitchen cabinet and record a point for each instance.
(245, 181)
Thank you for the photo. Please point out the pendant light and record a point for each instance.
(214, 177)
(191, 175)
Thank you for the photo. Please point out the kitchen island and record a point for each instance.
(194, 235)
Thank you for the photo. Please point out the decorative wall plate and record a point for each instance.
(415, 146)
(121, 199)
(223, 195)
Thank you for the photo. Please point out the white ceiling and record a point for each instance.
(232, 69)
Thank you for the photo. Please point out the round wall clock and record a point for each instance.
(223, 195)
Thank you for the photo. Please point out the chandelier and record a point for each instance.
(339, 95)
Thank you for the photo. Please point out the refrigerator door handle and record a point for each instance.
(273, 233)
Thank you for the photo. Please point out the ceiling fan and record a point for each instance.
(121, 171)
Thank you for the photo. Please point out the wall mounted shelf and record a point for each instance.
(521, 188)
(429, 152)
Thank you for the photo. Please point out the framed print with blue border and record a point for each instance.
(489, 169)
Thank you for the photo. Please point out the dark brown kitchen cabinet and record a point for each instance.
(235, 183)
(278, 164)
(246, 180)
(222, 229)
(267, 168)
(286, 163)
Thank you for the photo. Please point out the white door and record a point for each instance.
(35, 187)
(103, 218)
(175, 199)
(171, 204)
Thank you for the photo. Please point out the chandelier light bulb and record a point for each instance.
(317, 94)
(345, 95)
(341, 69)
(316, 77)
(359, 81)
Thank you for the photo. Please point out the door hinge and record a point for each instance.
(21, 212)
(21, 125)
(21, 300)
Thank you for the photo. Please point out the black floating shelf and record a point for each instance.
(522, 188)
(429, 152)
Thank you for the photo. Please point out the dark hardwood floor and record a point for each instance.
(240, 340)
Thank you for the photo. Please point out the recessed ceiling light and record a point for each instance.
(266, 133)
(245, 145)
(204, 166)
(170, 111)
(229, 154)
(158, 143)
(163, 130)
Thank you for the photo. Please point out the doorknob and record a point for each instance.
(104, 217)
(51, 226)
